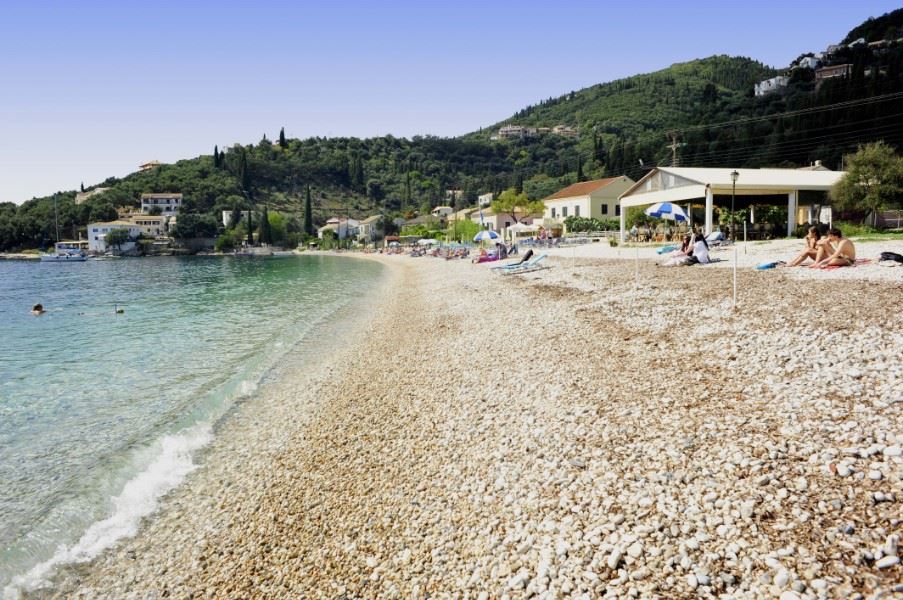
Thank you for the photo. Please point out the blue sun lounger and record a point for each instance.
(525, 267)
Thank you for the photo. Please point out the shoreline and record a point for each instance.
(562, 432)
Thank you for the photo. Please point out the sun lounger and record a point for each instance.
(530, 265)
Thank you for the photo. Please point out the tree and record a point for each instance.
(193, 225)
(873, 181)
(282, 143)
(308, 214)
(517, 205)
(580, 175)
(250, 229)
(83, 186)
(216, 162)
(235, 218)
(117, 237)
(244, 173)
(156, 210)
(264, 234)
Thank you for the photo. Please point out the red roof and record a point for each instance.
(582, 189)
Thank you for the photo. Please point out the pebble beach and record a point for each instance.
(601, 428)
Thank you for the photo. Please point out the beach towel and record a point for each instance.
(667, 249)
(767, 266)
(858, 262)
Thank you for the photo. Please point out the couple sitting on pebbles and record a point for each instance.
(831, 251)
(694, 250)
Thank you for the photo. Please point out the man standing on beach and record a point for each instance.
(835, 251)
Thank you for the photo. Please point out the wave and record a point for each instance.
(138, 499)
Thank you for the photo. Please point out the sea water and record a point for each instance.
(106, 398)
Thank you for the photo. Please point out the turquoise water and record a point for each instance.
(101, 413)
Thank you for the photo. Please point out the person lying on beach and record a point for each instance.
(836, 251)
(37, 310)
(811, 250)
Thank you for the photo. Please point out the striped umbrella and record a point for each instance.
(487, 235)
(667, 210)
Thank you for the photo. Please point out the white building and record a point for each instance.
(485, 199)
(692, 185)
(169, 203)
(227, 217)
(370, 229)
(442, 211)
(772, 85)
(343, 228)
(150, 225)
(81, 197)
(597, 199)
(97, 233)
(809, 62)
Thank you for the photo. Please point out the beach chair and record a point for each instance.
(531, 265)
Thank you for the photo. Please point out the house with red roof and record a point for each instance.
(597, 199)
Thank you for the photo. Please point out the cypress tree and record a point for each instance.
(580, 175)
(282, 143)
(244, 175)
(83, 186)
(264, 235)
(308, 214)
(216, 157)
(235, 219)
(250, 229)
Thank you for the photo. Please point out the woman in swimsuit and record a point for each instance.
(811, 250)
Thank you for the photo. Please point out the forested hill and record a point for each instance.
(698, 113)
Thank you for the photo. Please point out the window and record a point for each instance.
(617, 210)
(604, 209)
(553, 212)
(564, 211)
(577, 211)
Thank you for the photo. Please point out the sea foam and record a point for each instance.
(138, 499)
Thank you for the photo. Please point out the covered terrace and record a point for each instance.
(753, 187)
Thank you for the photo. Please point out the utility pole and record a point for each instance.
(674, 146)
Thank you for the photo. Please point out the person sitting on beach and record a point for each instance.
(811, 249)
(37, 310)
(835, 251)
(700, 251)
(680, 256)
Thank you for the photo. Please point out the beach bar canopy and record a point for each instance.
(688, 184)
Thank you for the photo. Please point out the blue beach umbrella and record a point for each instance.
(667, 210)
(487, 235)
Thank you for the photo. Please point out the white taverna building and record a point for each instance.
(689, 185)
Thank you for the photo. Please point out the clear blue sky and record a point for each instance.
(93, 89)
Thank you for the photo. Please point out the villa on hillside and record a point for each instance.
(81, 197)
(169, 203)
(227, 217)
(596, 199)
(775, 84)
(149, 165)
(441, 212)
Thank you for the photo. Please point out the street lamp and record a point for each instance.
(734, 176)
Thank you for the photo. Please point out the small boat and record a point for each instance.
(70, 251)
(65, 251)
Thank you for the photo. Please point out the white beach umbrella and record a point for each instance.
(427, 241)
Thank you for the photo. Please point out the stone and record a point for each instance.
(875, 475)
(887, 562)
(614, 559)
(692, 581)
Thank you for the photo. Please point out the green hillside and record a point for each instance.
(706, 106)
